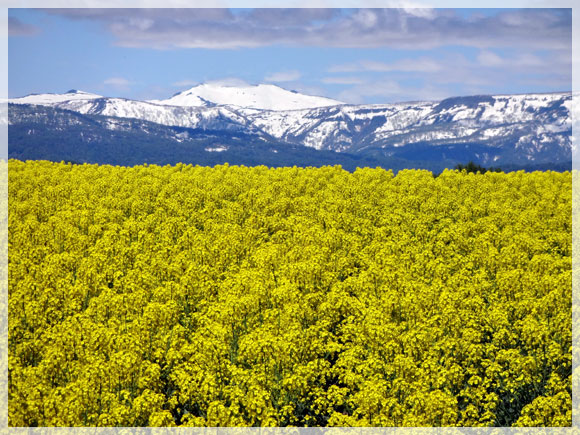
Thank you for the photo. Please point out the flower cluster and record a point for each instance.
(235, 296)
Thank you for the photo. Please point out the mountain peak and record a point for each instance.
(77, 92)
(262, 96)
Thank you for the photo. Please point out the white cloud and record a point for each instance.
(310, 90)
(141, 23)
(488, 69)
(531, 60)
(450, 75)
(489, 58)
(420, 11)
(119, 82)
(183, 83)
(283, 76)
(403, 28)
(422, 64)
(345, 68)
(521, 60)
(392, 91)
(365, 17)
(343, 80)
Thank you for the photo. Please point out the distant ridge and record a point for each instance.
(50, 99)
(523, 130)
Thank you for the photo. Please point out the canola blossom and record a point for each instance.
(233, 296)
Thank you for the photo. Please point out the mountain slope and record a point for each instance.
(49, 133)
(502, 130)
(515, 128)
(214, 117)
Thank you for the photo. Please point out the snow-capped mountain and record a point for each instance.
(262, 97)
(50, 99)
(491, 130)
(212, 117)
(526, 120)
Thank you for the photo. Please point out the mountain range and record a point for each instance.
(265, 124)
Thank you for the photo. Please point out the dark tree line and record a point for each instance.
(472, 167)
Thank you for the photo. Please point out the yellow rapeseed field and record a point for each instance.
(235, 296)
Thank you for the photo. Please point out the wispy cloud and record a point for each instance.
(184, 83)
(489, 58)
(118, 83)
(393, 91)
(453, 74)
(522, 60)
(422, 64)
(309, 90)
(343, 80)
(488, 69)
(393, 28)
(283, 76)
(18, 28)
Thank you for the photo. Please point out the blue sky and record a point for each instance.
(353, 55)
